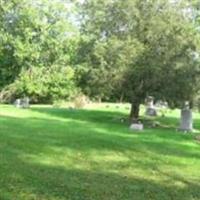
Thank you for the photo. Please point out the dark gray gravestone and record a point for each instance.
(186, 123)
(151, 112)
(25, 102)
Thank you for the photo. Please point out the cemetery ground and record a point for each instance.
(63, 154)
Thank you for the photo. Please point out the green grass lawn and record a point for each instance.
(60, 154)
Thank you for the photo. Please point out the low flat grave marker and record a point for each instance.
(137, 126)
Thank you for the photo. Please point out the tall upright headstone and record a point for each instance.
(150, 108)
(22, 103)
(25, 102)
(17, 103)
(186, 122)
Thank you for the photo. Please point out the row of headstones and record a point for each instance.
(186, 122)
(22, 103)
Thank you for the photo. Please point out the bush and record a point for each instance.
(80, 101)
(42, 85)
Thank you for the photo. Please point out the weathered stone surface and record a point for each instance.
(161, 104)
(151, 112)
(25, 102)
(150, 108)
(22, 103)
(137, 127)
(17, 103)
(186, 123)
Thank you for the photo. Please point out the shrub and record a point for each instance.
(42, 85)
(80, 101)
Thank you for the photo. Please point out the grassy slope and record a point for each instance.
(58, 154)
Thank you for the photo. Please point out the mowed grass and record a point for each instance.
(60, 154)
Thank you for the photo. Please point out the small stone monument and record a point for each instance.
(186, 123)
(150, 108)
(25, 102)
(162, 107)
(17, 103)
(137, 126)
(22, 103)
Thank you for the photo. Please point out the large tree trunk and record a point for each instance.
(134, 114)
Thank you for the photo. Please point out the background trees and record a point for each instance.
(147, 46)
(37, 43)
(111, 50)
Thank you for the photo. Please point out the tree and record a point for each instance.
(34, 34)
(154, 43)
(43, 85)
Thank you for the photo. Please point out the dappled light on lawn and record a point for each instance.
(57, 154)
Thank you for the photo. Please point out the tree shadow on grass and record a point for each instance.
(111, 121)
(75, 134)
(104, 117)
(43, 134)
(21, 137)
(96, 116)
(35, 181)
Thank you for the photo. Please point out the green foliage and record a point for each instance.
(34, 34)
(80, 101)
(125, 50)
(102, 69)
(42, 85)
(140, 48)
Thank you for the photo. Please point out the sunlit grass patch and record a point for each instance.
(57, 154)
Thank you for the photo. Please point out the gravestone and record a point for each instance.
(162, 107)
(186, 123)
(161, 104)
(150, 108)
(17, 103)
(137, 126)
(25, 102)
(22, 103)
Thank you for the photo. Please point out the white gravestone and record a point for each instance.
(18, 103)
(22, 103)
(186, 123)
(137, 127)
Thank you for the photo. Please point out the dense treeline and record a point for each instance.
(37, 46)
(108, 50)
